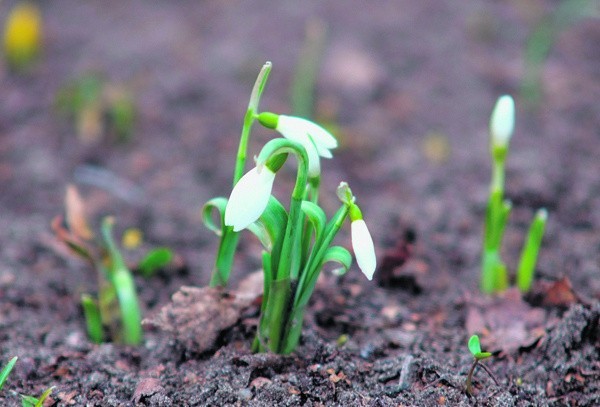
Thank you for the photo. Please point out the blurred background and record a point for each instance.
(140, 104)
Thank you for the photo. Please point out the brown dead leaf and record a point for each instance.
(75, 214)
(506, 323)
(560, 294)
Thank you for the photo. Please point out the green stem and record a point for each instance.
(257, 90)
(229, 239)
(274, 319)
(470, 377)
(311, 269)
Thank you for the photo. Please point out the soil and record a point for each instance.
(410, 86)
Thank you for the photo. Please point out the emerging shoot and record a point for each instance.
(494, 276)
(478, 355)
(116, 306)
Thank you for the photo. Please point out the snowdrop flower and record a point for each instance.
(502, 121)
(249, 198)
(316, 140)
(362, 243)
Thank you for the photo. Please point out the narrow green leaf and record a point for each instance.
(44, 396)
(270, 227)
(154, 260)
(259, 86)
(530, 251)
(474, 345)
(121, 279)
(6, 371)
(316, 216)
(208, 209)
(28, 401)
(131, 317)
(93, 319)
(339, 255)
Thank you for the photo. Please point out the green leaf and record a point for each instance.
(474, 345)
(219, 205)
(6, 371)
(482, 355)
(316, 216)
(131, 316)
(339, 255)
(475, 348)
(270, 227)
(530, 251)
(93, 319)
(154, 260)
(121, 279)
(30, 401)
(259, 86)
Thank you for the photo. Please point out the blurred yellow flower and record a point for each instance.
(132, 238)
(22, 35)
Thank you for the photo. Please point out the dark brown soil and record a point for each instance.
(397, 78)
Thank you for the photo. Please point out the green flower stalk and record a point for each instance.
(494, 276)
(228, 237)
(298, 242)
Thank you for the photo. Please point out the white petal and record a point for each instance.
(322, 139)
(502, 122)
(363, 247)
(249, 198)
(291, 128)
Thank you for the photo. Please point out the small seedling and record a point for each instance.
(6, 371)
(494, 277)
(22, 36)
(116, 307)
(475, 348)
(31, 401)
(297, 241)
(98, 108)
(154, 260)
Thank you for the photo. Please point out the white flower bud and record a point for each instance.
(249, 198)
(363, 247)
(502, 121)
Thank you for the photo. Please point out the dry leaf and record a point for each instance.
(75, 214)
(506, 323)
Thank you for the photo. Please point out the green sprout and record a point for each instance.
(155, 260)
(6, 371)
(494, 277)
(298, 241)
(98, 108)
(475, 349)
(116, 307)
(228, 238)
(31, 401)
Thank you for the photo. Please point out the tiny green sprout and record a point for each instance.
(31, 401)
(116, 307)
(6, 371)
(98, 108)
(155, 260)
(494, 275)
(478, 355)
